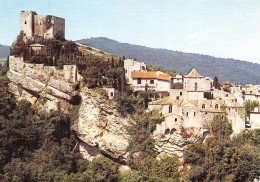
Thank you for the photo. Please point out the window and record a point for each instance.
(25, 22)
(194, 113)
(196, 86)
(175, 119)
(216, 106)
(177, 98)
(151, 81)
(167, 131)
(111, 94)
(138, 80)
(38, 22)
(143, 68)
(173, 130)
(170, 108)
(203, 106)
(125, 71)
(187, 114)
(180, 93)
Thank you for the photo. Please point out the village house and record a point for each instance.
(195, 87)
(131, 65)
(154, 80)
(196, 114)
(252, 92)
(177, 79)
(255, 118)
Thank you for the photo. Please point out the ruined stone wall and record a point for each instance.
(40, 27)
(236, 115)
(48, 26)
(59, 27)
(36, 81)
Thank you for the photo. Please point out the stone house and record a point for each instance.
(132, 65)
(38, 49)
(255, 118)
(157, 81)
(252, 92)
(195, 87)
(195, 82)
(196, 114)
(177, 79)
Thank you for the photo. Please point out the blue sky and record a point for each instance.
(221, 28)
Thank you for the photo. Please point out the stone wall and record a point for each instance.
(26, 22)
(37, 82)
(46, 26)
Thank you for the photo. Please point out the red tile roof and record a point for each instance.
(143, 74)
(164, 77)
(150, 75)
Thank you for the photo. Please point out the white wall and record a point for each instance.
(203, 84)
(158, 85)
(255, 120)
(131, 65)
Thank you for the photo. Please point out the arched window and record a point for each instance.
(187, 114)
(196, 86)
(173, 130)
(25, 22)
(170, 108)
(216, 106)
(167, 131)
(203, 106)
(111, 94)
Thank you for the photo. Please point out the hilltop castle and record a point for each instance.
(39, 27)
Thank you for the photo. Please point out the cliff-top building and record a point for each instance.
(38, 27)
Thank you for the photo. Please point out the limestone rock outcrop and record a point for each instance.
(49, 87)
(172, 144)
(101, 126)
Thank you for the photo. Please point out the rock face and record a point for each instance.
(101, 127)
(172, 144)
(45, 85)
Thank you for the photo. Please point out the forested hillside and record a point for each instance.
(240, 72)
(4, 51)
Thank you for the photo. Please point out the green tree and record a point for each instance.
(250, 105)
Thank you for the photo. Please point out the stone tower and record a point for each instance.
(27, 22)
(39, 27)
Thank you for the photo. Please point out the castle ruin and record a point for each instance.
(39, 27)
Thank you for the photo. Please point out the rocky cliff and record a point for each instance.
(99, 127)
(51, 89)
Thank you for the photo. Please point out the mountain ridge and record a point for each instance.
(226, 69)
(4, 50)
